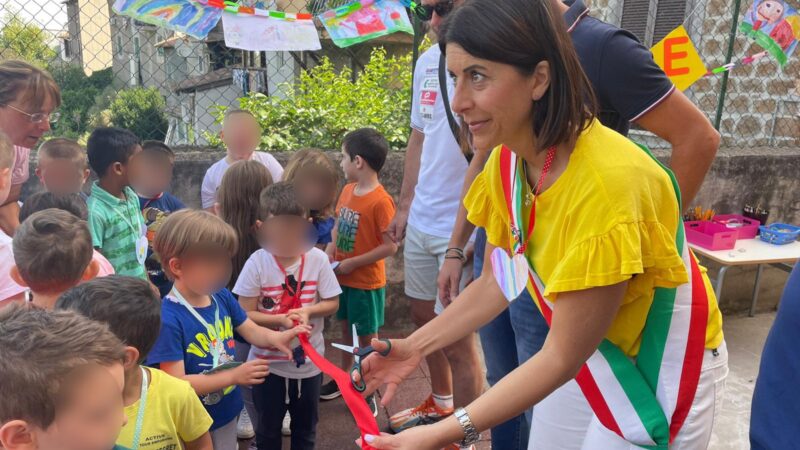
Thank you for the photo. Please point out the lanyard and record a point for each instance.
(520, 180)
(151, 200)
(128, 222)
(299, 289)
(216, 347)
(137, 432)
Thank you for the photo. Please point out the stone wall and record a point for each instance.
(768, 176)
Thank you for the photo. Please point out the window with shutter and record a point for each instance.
(635, 17)
(669, 15)
(651, 20)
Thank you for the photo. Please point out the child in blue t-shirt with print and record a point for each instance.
(150, 183)
(200, 316)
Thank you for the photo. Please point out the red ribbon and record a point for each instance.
(355, 402)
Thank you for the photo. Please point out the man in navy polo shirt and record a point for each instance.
(630, 87)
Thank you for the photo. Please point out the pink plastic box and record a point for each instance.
(710, 235)
(746, 227)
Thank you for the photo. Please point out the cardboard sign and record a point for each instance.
(678, 58)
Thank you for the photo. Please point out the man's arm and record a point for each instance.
(694, 141)
(449, 278)
(397, 229)
(643, 94)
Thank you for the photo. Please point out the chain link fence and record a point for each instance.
(753, 105)
(166, 85)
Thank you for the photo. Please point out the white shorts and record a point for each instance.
(423, 255)
(564, 420)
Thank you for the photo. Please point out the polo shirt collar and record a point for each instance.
(577, 11)
(104, 196)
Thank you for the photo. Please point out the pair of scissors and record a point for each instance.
(359, 353)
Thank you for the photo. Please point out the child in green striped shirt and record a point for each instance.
(117, 226)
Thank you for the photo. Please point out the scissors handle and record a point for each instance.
(388, 347)
(359, 385)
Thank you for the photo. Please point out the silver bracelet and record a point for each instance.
(471, 434)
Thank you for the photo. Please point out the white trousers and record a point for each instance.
(564, 420)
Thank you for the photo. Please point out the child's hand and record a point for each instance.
(283, 340)
(300, 315)
(345, 267)
(286, 321)
(251, 372)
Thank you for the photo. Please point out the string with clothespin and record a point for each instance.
(235, 8)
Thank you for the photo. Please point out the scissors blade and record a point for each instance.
(355, 337)
(345, 348)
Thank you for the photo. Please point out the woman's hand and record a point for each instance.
(423, 437)
(389, 370)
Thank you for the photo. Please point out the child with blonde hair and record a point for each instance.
(316, 181)
(200, 316)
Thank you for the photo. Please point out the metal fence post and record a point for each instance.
(728, 56)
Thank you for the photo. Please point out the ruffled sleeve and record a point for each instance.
(485, 207)
(646, 249)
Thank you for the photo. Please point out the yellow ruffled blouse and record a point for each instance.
(611, 216)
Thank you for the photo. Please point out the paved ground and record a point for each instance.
(745, 338)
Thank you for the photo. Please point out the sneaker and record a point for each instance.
(458, 447)
(286, 428)
(244, 427)
(329, 391)
(424, 414)
(373, 405)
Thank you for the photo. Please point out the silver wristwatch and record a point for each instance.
(471, 434)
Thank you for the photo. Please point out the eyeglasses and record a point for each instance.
(38, 117)
(425, 12)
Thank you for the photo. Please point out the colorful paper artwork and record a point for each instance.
(263, 32)
(186, 16)
(678, 58)
(364, 20)
(775, 26)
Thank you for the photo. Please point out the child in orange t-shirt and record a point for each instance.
(361, 242)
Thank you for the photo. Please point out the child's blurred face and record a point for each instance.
(313, 190)
(61, 176)
(206, 272)
(241, 135)
(349, 166)
(91, 414)
(287, 236)
(152, 175)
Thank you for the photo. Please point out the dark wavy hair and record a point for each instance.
(523, 33)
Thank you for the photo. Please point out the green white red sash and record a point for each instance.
(645, 401)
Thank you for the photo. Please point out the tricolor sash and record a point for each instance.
(645, 401)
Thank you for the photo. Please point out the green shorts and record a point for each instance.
(362, 307)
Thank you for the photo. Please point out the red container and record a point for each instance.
(710, 235)
(746, 227)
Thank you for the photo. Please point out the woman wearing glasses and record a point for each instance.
(28, 97)
(635, 356)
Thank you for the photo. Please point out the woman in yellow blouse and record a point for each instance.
(591, 222)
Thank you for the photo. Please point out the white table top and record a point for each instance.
(752, 251)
